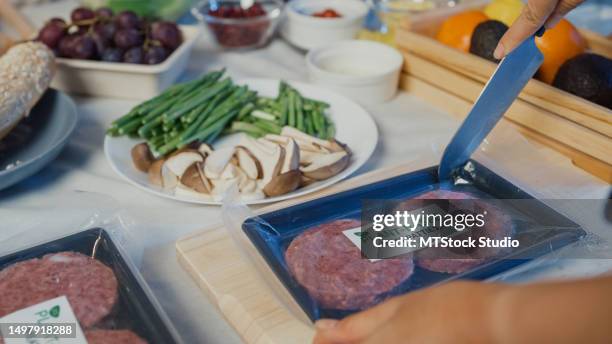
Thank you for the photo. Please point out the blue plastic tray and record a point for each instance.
(272, 233)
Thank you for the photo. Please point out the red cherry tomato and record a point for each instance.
(327, 13)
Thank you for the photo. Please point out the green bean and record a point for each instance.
(292, 113)
(300, 112)
(268, 126)
(248, 128)
(195, 101)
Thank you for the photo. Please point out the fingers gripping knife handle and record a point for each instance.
(511, 75)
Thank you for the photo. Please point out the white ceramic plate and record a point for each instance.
(354, 126)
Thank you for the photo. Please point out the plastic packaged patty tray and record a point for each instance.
(332, 285)
(107, 295)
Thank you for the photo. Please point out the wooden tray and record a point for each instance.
(571, 125)
(459, 107)
(416, 35)
(246, 301)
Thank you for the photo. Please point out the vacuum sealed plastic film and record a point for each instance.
(83, 266)
(309, 248)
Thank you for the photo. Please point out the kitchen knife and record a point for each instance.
(511, 75)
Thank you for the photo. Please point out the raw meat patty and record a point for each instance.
(89, 285)
(331, 268)
(498, 225)
(113, 337)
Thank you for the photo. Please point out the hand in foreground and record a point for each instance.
(535, 14)
(473, 312)
(451, 313)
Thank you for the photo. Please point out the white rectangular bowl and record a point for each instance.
(124, 80)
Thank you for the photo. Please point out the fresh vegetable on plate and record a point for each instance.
(269, 166)
(101, 35)
(269, 115)
(289, 142)
(203, 109)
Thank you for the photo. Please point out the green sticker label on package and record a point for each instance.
(48, 322)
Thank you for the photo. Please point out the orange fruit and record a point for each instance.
(456, 31)
(558, 45)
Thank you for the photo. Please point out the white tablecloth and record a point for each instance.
(408, 127)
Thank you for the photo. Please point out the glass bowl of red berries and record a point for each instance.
(240, 24)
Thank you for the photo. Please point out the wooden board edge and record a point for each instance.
(249, 328)
(247, 320)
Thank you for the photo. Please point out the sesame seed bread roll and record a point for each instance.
(26, 71)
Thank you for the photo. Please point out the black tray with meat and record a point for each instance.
(108, 296)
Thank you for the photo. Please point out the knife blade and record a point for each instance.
(510, 77)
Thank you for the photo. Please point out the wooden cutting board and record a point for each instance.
(252, 303)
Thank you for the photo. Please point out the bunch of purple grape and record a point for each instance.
(101, 35)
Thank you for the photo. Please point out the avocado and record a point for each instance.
(485, 38)
(588, 76)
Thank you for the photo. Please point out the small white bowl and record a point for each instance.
(365, 71)
(124, 80)
(305, 31)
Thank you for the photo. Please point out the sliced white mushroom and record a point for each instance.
(297, 135)
(307, 157)
(231, 171)
(292, 157)
(142, 157)
(174, 167)
(178, 163)
(169, 179)
(326, 165)
(305, 146)
(183, 150)
(283, 183)
(270, 157)
(249, 163)
(194, 179)
(270, 145)
(155, 172)
(205, 149)
(282, 140)
(245, 184)
(248, 186)
(217, 161)
(337, 146)
(305, 181)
